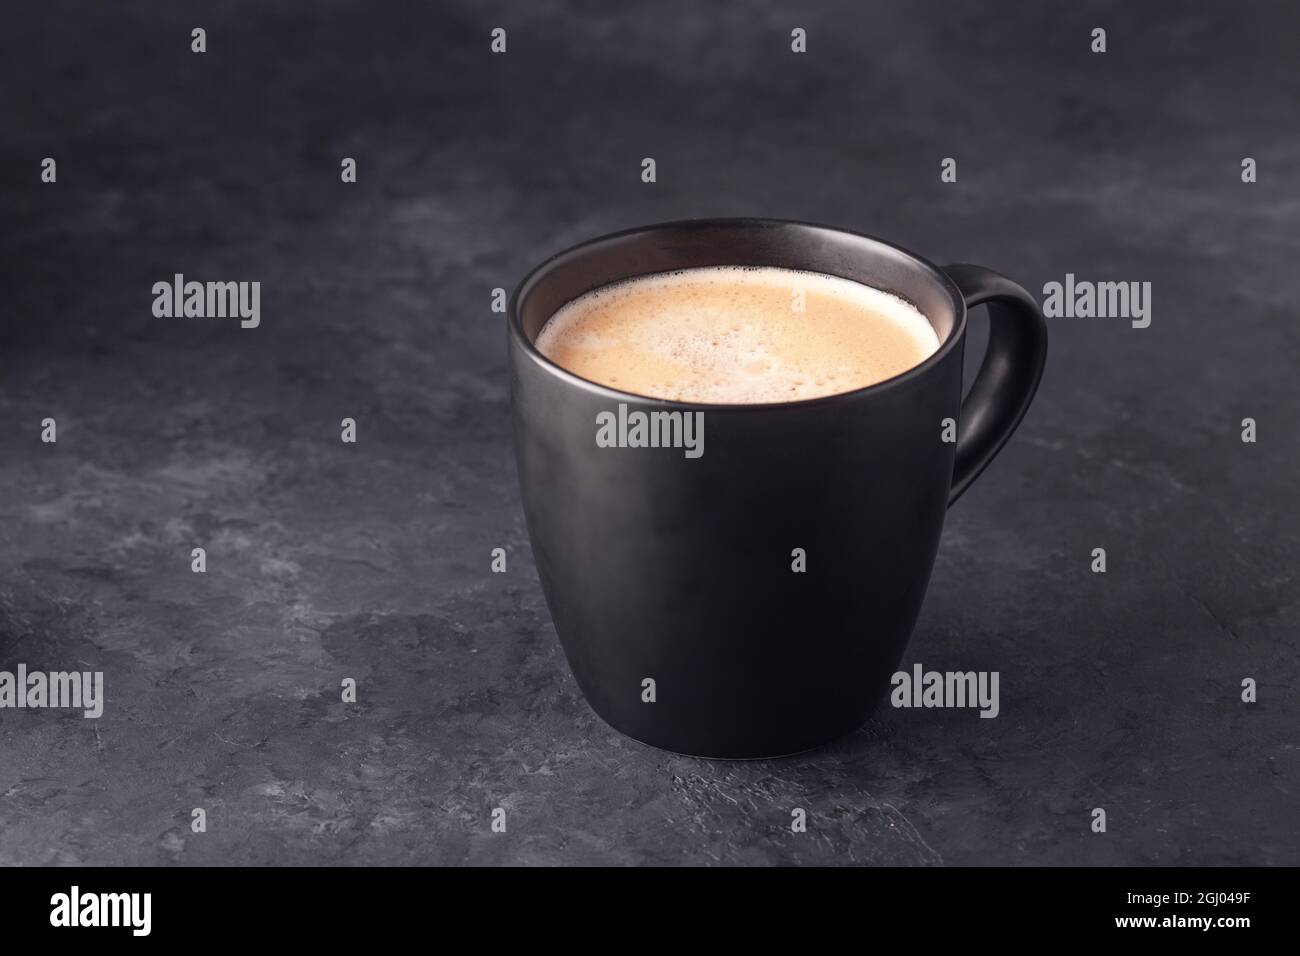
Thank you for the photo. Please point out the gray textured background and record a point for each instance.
(371, 561)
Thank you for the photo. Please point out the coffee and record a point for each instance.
(674, 571)
(737, 335)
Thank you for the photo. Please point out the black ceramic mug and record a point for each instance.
(670, 579)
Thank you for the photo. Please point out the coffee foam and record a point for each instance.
(732, 335)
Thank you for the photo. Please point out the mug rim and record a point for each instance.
(538, 273)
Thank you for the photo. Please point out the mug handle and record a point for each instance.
(1008, 376)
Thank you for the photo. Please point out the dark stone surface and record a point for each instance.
(371, 561)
